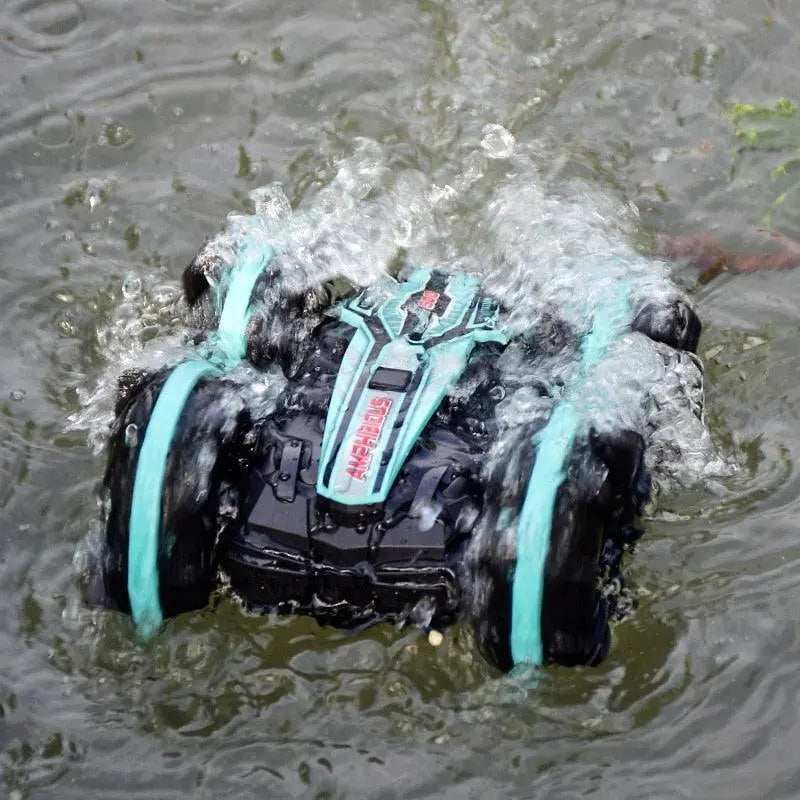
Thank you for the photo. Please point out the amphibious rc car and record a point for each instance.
(387, 480)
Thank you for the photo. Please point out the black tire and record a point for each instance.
(601, 495)
(675, 324)
(192, 522)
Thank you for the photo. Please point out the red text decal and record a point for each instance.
(367, 435)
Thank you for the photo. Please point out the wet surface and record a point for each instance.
(128, 132)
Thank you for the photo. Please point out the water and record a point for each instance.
(128, 133)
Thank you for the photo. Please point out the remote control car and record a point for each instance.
(388, 480)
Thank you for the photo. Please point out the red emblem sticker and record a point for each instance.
(428, 300)
(367, 435)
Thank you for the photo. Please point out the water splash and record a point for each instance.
(550, 252)
(497, 142)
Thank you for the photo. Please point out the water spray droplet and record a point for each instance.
(131, 286)
(131, 435)
(497, 142)
(428, 514)
(271, 202)
(402, 235)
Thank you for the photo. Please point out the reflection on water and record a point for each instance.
(128, 134)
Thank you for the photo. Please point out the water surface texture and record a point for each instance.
(471, 132)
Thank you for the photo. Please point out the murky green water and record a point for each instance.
(127, 131)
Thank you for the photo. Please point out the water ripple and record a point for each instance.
(43, 26)
(128, 131)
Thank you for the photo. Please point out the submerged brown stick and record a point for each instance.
(705, 252)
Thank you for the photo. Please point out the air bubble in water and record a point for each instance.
(132, 435)
(96, 191)
(497, 142)
(131, 286)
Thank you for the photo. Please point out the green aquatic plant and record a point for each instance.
(774, 128)
(766, 127)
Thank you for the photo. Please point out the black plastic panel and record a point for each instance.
(392, 380)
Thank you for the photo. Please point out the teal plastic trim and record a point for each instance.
(145, 521)
(230, 340)
(553, 447)
(391, 312)
(533, 533)
(353, 363)
(461, 288)
(224, 350)
(445, 364)
(439, 367)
